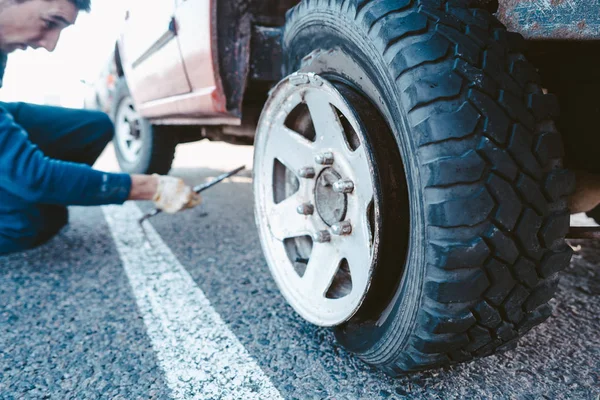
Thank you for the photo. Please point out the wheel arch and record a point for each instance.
(249, 51)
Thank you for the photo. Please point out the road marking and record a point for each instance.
(201, 357)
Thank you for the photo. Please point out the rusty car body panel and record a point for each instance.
(192, 62)
(552, 19)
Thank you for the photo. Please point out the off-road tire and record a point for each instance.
(158, 149)
(483, 166)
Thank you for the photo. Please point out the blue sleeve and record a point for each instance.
(27, 173)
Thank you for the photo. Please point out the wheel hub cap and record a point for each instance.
(331, 205)
(134, 128)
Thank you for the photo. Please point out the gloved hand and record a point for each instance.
(173, 195)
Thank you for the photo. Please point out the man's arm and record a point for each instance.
(143, 187)
(26, 172)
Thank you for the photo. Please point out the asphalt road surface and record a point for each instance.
(192, 312)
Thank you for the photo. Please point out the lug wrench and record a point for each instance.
(198, 189)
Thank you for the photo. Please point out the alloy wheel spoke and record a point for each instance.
(130, 114)
(285, 221)
(330, 132)
(135, 146)
(356, 250)
(291, 148)
(124, 132)
(362, 177)
(321, 269)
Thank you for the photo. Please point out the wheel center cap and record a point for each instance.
(330, 204)
(134, 128)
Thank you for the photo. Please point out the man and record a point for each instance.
(46, 153)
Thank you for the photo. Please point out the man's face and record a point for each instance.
(34, 23)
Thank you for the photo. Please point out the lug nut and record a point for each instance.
(324, 158)
(342, 228)
(307, 173)
(344, 186)
(299, 79)
(315, 79)
(306, 209)
(322, 237)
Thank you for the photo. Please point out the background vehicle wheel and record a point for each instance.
(140, 147)
(476, 145)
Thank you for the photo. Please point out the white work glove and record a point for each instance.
(173, 195)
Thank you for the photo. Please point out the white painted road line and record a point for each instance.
(201, 357)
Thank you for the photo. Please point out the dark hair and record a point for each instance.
(82, 5)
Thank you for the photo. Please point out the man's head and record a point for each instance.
(36, 23)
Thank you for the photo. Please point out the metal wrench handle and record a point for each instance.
(218, 179)
(198, 189)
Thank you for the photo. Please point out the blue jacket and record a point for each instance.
(27, 174)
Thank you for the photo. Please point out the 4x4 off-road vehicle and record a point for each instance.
(409, 184)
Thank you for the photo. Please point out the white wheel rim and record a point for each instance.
(279, 222)
(128, 130)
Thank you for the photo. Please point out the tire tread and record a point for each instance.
(468, 76)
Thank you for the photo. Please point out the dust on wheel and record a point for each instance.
(445, 242)
(318, 206)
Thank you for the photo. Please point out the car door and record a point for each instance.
(197, 35)
(154, 66)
